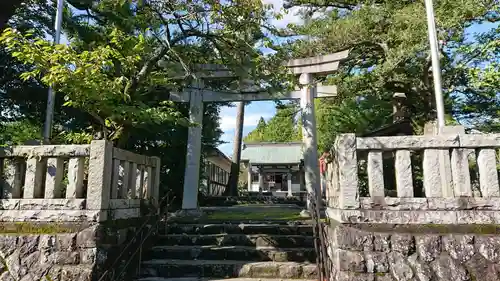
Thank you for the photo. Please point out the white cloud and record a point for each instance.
(228, 122)
(289, 17)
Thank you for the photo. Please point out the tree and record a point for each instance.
(7, 9)
(257, 135)
(112, 82)
(477, 97)
(235, 165)
(388, 53)
(124, 58)
(283, 127)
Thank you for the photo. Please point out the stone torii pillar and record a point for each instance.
(193, 152)
(307, 68)
(196, 96)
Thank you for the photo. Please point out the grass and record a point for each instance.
(268, 214)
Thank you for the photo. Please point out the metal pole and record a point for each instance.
(49, 115)
(436, 68)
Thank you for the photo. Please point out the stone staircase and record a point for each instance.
(263, 250)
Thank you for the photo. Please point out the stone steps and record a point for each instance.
(244, 249)
(202, 220)
(256, 240)
(240, 229)
(217, 279)
(227, 268)
(239, 253)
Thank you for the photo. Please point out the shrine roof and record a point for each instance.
(272, 153)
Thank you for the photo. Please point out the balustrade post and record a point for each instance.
(99, 178)
(155, 195)
(345, 147)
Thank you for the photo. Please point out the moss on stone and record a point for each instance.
(484, 229)
(16, 228)
(11, 228)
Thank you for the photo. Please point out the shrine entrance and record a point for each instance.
(197, 94)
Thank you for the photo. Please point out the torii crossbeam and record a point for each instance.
(196, 95)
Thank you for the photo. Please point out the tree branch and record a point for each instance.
(320, 4)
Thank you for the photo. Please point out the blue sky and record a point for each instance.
(254, 110)
(266, 109)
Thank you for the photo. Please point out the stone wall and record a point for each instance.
(435, 224)
(69, 211)
(77, 252)
(414, 253)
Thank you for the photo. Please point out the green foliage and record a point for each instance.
(124, 59)
(18, 132)
(258, 134)
(282, 127)
(389, 54)
(85, 79)
(478, 69)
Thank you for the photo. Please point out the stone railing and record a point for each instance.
(414, 208)
(75, 182)
(446, 193)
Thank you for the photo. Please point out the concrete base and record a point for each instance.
(193, 213)
(305, 214)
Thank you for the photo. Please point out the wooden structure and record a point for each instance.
(216, 169)
(275, 168)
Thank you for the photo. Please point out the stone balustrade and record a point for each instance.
(68, 183)
(446, 182)
(414, 208)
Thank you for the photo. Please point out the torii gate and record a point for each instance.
(196, 95)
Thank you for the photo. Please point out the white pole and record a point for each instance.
(436, 68)
(49, 115)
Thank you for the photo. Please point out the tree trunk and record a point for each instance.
(232, 189)
(7, 10)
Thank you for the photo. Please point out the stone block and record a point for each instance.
(403, 243)
(51, 215)
(88, 255)
(62, 258)
(399, 267)
(8, 244)
(350, 238)
(10, 204)
(382, 242)
(478, 217)
(421, 269)
(66, 242)
(483, 203)
(459, 247)
(384, 277)
(428, 247)
(47, 243)
(351, 261)
(448, 203)
(88, 237)
(445, 268)
(118, 214)
(489, 248)
(27, 244)
(80, 273)
(482, 269)
(395, 217)
(394, 203)
(351, 276)
(376, 262)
